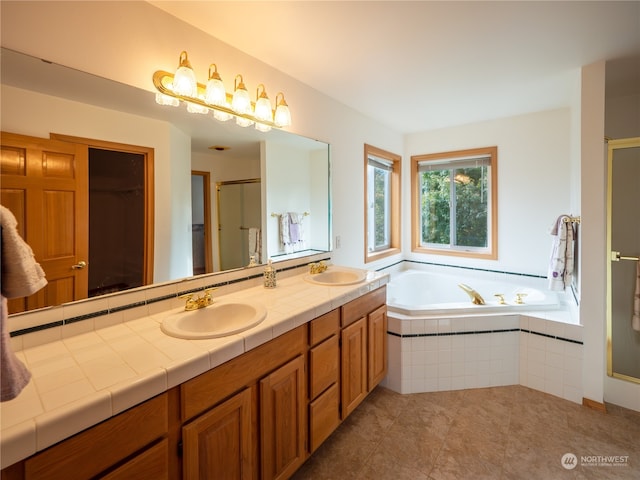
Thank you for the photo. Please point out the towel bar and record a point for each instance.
(616, 257)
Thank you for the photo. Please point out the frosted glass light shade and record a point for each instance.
(195, 108)
(184, 82)
(215, 93)
(222, 116)
(241, 102)
(243, 122)
(263, 109)
(282, 116)
(163, 99)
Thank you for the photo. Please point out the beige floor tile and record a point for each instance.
(490, 433)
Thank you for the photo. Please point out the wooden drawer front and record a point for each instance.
(90, 452)
(206, 390)
(152, 464)
(361, 306)
(324, 416)
(324, 366)
(324, 326)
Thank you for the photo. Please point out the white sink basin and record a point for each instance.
(217, 320)
(337, 277)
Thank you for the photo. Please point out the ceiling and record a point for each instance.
(422, 65)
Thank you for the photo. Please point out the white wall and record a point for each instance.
(534, 184)
(593, 227)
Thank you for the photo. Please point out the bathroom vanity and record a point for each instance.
(258, 415)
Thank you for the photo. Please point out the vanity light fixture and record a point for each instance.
(183, 86)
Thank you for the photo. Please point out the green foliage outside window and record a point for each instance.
(380, 206)
(457, 218)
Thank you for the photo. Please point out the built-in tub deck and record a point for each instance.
(439, 340)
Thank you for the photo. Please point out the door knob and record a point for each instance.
(80, 265)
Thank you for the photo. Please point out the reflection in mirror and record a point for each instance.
(40, 98)
(239, 223)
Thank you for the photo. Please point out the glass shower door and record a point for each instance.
(623, 238)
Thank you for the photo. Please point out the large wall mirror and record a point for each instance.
(40, 98)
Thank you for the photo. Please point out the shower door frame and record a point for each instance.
(613, 145)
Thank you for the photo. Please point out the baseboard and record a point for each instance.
(600, 407)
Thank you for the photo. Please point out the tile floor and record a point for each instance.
(490, 433)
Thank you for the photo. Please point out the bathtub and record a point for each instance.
(420, 293)
(438, 340)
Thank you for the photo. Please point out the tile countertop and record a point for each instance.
(82, 380)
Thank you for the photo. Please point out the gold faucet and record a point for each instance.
(519, 298)
(476, 298)
(317, 267)
(199, 302)
(500, 297)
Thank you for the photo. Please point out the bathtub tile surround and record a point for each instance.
(455, 351)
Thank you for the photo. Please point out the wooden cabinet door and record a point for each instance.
(377, 333)
(324, 366)
(283, 420)
(218, 443)
(354, 365)
(45, 185)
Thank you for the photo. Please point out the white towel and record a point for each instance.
(14, 376)
(560, 272)
(255, 243)
(294, 228)
(635, 319)
(285, 240)
(21, 274)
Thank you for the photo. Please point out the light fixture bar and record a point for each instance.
(163, 82)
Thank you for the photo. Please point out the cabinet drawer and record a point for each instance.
(208, 389)
(324, 326)
(88, 453)
(152, 464)
(324, 366)
(324, 416)
(361, 306)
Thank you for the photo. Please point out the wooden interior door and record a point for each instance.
(45, 185)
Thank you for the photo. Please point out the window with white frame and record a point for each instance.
(454, 203)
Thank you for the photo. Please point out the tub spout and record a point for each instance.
(476, 298)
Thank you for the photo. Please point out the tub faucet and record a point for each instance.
(476, 298)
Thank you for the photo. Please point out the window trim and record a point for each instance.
(394, 213)
(491, 253)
